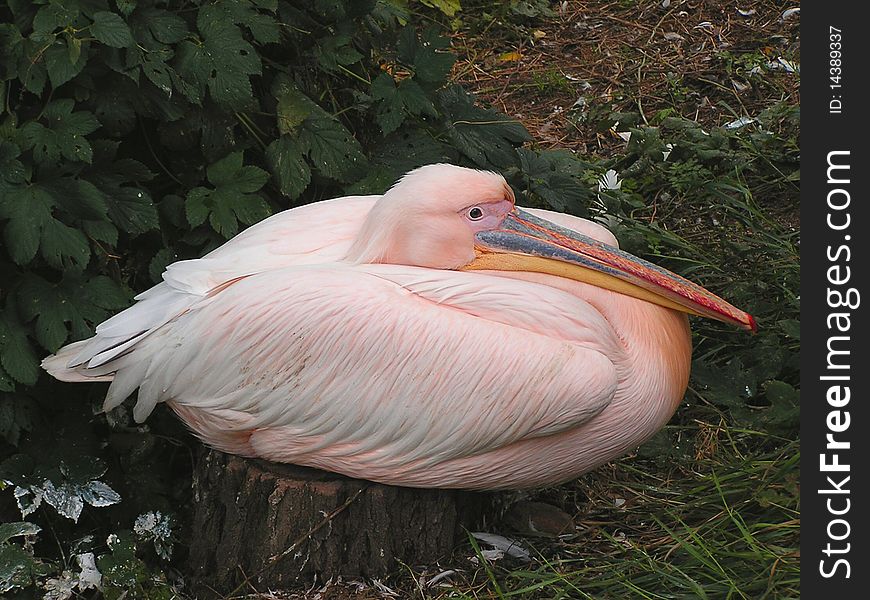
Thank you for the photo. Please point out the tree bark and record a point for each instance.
(263, 525)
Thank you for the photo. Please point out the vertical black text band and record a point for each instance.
(834, 420)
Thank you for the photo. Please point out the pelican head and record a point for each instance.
(448, 217)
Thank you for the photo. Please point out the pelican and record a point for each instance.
(434, 336)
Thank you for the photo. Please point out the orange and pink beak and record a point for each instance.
(524, 242)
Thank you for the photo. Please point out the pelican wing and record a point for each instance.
(315, 233)
(378, 371)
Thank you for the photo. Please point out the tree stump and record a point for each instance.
(279, 526)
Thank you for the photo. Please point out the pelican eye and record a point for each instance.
(475, 213)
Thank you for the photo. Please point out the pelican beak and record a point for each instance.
(524, 242)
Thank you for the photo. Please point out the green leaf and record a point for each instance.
(223, 171)
(554, 176)
(63, 62)
(232, 200)
(195, 206)
(336, 50)
(791, 328)
(28, 210)
(79, 197)
(333, 149)
(221, 215)
(74, 48)
(249, 208)
(293, 106)
(286, 159)
(390, 107)
(726, 386)
(64, 247)
(263, 27)
(132, 209)
(415, 99)
(16, 352)
(62, 136)
(76, 299)
(11, 169)
(99, 295)
(780, 391)
(448, 7)
(406, 150)
(429, 65)
(162, 259)
(16, 529)
(17, 413)
(483, 135)
(156, 70)
(126, 6)
(54, 15)
(222, 63)
(111, 30)
(19, 568)
(165, 26)
(102, 231)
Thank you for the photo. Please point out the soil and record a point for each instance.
(711, 62)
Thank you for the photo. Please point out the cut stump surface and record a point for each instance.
(260, 525)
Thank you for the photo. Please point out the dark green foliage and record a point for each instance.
(728, 196)
(138, 132)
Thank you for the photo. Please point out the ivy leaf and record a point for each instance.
(483, 135)
(64, 135)
(63, 61)
(53, 16)
(390, 114)
(16, 353)
(28, 210)
(222, 63)
(232, 200)
(408, 149)
(264, 28)
(166, 27)
(429, 65)
(11, 169)
(17, 414)
(286, 159)
(293, 106)
(554, 176)
(129, 205)
(415, 100)
(64, 247)
(195, 207)
(162, 259)
(77, 300)
(102, 231)
(111, 30)
(11, 530)
(335, 51)
(332, 148)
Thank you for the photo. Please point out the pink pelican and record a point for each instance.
(434, 336)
